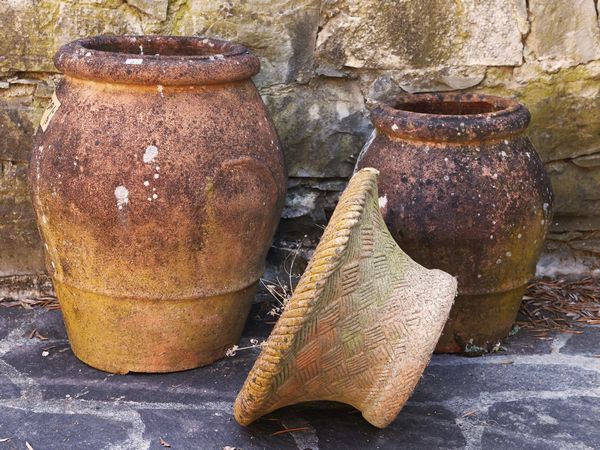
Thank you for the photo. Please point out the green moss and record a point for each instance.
(424, 31)
(564, 106)
(474, 350)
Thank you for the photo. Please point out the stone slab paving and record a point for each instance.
(538, 394)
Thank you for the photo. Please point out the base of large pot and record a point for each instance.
(477, 323)
(121, 335)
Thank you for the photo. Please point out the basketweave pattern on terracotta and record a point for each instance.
(361, 325)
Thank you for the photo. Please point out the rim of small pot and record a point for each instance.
(152, 60)
(450, 117)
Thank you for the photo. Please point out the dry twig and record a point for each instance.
(49, 302)
(290, 430)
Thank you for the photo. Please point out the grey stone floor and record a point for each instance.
(538, 394)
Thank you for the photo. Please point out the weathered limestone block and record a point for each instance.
(312, 197)
(27, 42)
(576, 188)
(386, 34)
(21, 104)
(322, 126)
(565, 107)
(76, 21)
(572, 248)
(281, 32)
(154, 8)
(381, 84)
(563, 33)
(34, 30)
(20, 245)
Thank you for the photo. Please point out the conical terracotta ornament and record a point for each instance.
(362, 323)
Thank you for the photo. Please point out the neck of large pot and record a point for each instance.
(156, 60)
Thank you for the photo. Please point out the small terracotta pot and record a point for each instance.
(158, 183)
(362, 323)
(462, 189)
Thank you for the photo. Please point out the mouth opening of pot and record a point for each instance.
(452, 108)
(165, 47)
(450, 117)
(165, 60)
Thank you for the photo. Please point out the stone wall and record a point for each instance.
(324, 62)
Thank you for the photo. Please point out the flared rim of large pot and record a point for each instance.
(156, 60)
(450, 117)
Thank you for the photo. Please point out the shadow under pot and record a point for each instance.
(157, 181)
(463, 190)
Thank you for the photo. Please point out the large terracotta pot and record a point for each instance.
(158, 182)
(463, 190)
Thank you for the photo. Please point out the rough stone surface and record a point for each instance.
(388, 34)
(587, 344)
(324, 62)
(154, 8)
(564, 106)
(334, 127)
(563, 33)
(572, 181)
(8, 389)
(537, 394)
(555, 423)
(24, 426)
(21, 249)
(281, 32)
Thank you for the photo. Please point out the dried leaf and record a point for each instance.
(164, 443)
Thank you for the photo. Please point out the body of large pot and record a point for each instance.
(158, 182)
(463, 190)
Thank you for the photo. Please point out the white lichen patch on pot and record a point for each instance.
(122, 196)
(150, 153)
(383, 202)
